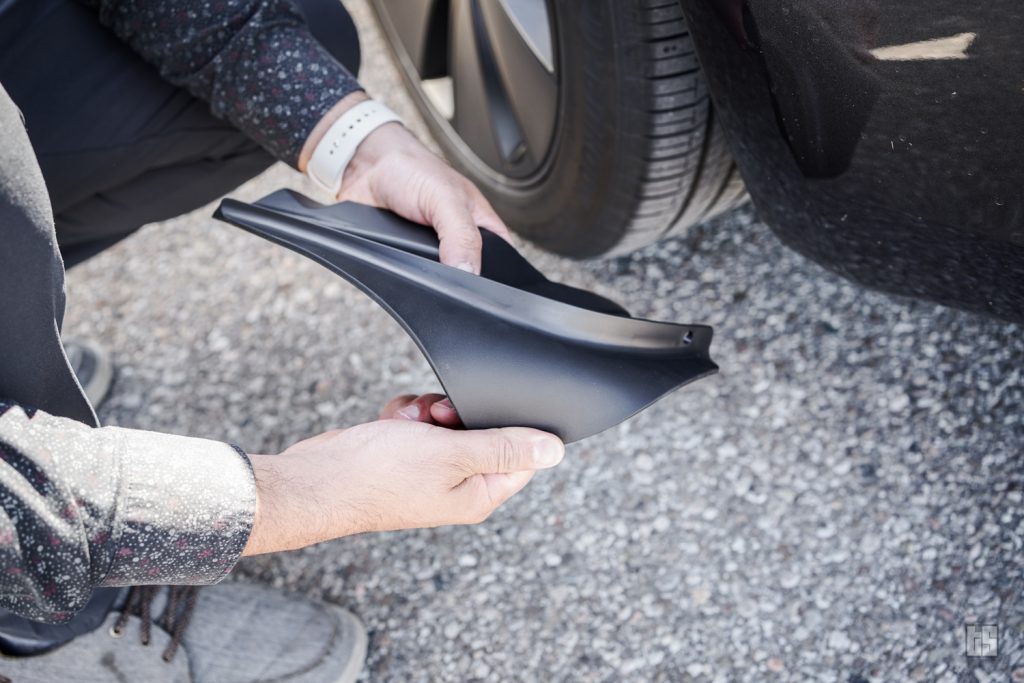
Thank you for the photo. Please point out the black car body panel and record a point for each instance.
(883, 140)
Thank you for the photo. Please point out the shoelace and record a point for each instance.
(180, 604)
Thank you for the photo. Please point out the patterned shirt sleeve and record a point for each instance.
(82, 507)
(254, 61)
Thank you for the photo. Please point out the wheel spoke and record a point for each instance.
(518, 35)
(420, 28)
(472, 118)
(532, 21)
(487, 68)
(518, 93)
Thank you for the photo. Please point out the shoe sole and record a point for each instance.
(103, 374)
(358, 659)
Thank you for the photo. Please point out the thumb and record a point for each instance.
(512, 449)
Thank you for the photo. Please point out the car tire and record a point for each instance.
(635, 154)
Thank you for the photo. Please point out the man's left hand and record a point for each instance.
(393, 170)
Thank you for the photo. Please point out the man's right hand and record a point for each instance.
(402, 473)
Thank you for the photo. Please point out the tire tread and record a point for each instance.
(681, 159)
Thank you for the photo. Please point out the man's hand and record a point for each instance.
(431, 408)
(401, 472)
(393, 170)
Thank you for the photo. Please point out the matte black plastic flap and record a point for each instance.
(509, 347)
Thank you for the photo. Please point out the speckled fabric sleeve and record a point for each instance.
(254, 61)
(82, 507)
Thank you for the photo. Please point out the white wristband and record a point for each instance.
(338, 145)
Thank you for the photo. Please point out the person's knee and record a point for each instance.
(331, 24)
(158, 193)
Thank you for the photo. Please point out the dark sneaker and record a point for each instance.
(93, 368)
(229, 633)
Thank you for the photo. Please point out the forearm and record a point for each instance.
(291, 508)
(82, 507)
(398, 473)
(254, 61)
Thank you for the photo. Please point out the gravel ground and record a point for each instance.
(835, 505)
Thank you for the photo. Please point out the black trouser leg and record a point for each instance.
(119, 146)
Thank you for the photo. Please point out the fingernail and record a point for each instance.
(547, 451)
(466, 266)
(410, 412)
(446, 404)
